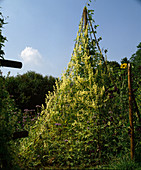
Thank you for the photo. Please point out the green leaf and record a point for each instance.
(109, 123)
(90, 11)
(106, 145)
(90, 17)
(96, 26)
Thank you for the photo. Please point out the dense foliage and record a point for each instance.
(136, 73)
(29, 89)
(9, 116)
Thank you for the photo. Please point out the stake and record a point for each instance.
(131, 112)
(85, 17)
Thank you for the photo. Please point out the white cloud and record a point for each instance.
(31, 56)
(33, 61)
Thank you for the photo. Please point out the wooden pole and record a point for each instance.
(85, 17)
(131, 112)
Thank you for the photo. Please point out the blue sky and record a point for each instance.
(41, 33)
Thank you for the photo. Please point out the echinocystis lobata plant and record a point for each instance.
(77, 126)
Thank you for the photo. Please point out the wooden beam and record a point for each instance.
(10, 63)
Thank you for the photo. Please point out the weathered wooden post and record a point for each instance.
(131, 112)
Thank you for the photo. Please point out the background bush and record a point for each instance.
(29, 89)
(9, 116)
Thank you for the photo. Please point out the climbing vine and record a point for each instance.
(81, 123)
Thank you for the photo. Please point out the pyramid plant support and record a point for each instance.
(79, 123)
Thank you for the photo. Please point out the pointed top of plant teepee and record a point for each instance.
(80, 76)
(86, 46)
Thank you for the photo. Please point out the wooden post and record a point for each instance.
(85, 17)
(131, 112)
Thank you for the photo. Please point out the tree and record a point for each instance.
(136, 74)
(2, 38)
(29, 89)
(124, 60)
(113, 64)
(136, 60)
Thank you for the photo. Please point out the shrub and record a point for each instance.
(29, 89)
(8, 125)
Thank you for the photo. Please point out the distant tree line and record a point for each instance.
(29, 89)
